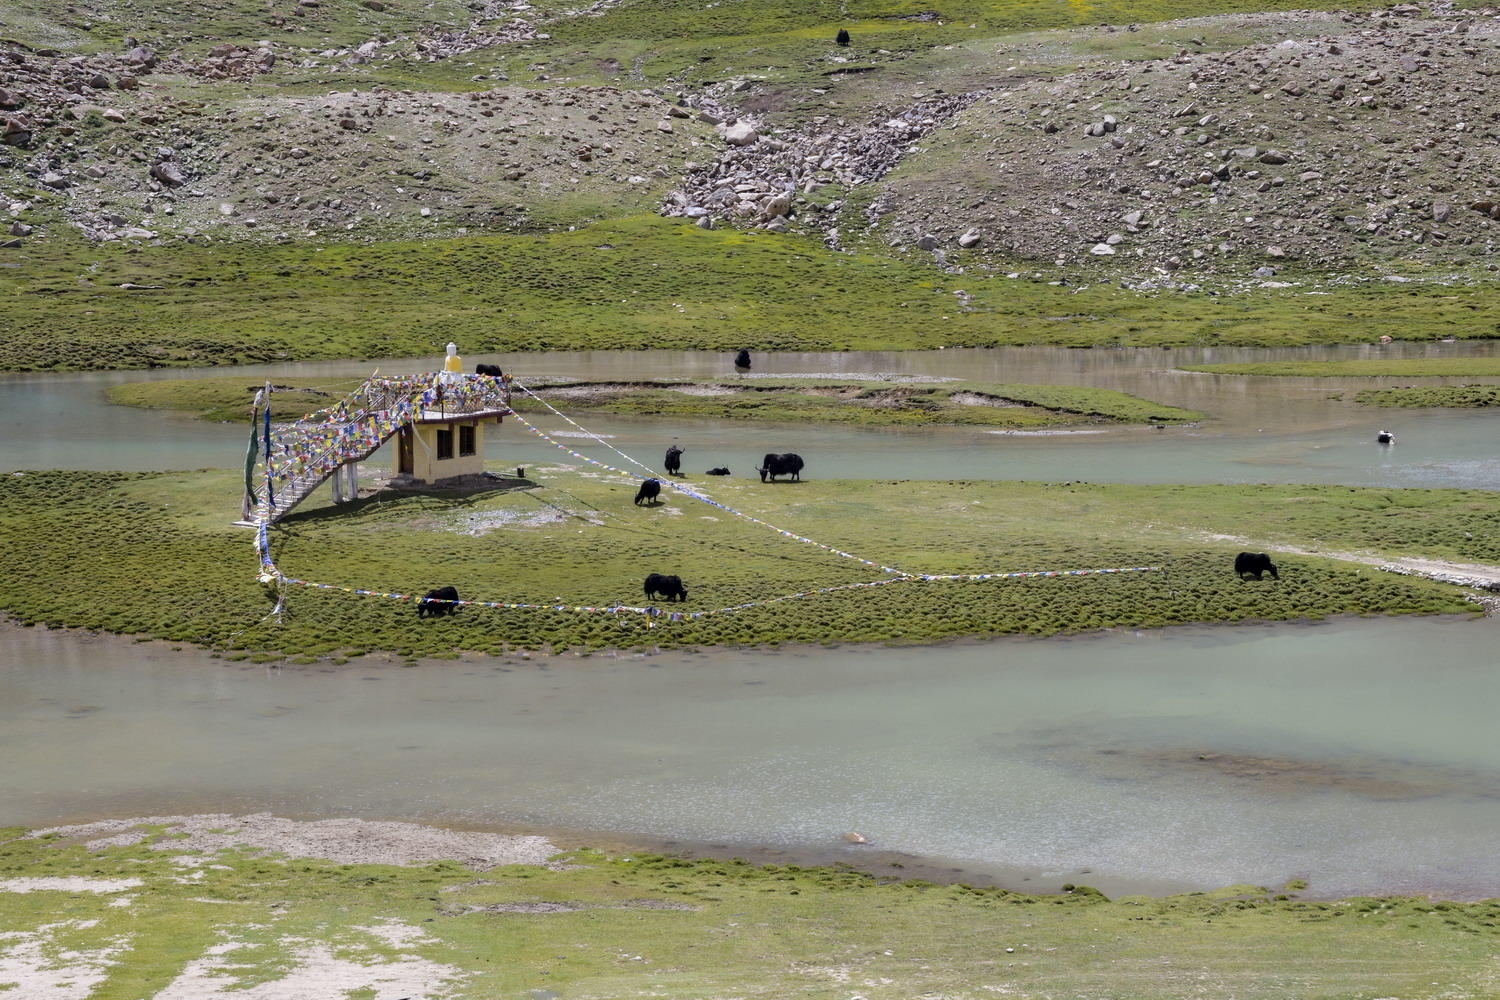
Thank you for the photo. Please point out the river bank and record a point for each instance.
(175, 920)
(1174, 763)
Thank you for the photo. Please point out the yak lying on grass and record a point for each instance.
(1254, 564)
(669, 587)
(437, 603)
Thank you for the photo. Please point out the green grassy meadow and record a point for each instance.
(154, 555)
(649, 926)
(627, 284)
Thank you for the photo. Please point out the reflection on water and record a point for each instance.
(1346, 753)
(1260, 429)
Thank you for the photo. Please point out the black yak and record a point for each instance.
(673, 461)
(1385, 437)
(649, 491)
(491, 370)
(1254, 564)
(720, 471)
(781, 465)
(669, 587)
(438, 602)
(842, 38)
(742, 360)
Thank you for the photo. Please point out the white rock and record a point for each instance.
(741, 134)
(1103, 250)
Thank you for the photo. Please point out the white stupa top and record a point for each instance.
(453, 365)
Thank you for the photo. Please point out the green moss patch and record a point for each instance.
(1468, 396)
(1361, 368)
(154, 555)
(627, 284)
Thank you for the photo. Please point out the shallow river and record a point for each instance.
(1259, 429)
(1360, 754)
(1348, 753)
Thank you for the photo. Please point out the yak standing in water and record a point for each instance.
(742, 360)
(673, 461)
(1254, 564)
(669, 587)
(438, 603)
(772, 466)
(649, 491)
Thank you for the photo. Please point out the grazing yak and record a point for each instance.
(1254, 564)
(649, 491)
(437, 603)
(1385, 437)
(673, 461)
(720, 471)
(669, 587)
(491, 370)
(742, 359)
(781, 465)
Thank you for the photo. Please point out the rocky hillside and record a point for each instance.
(1381, 141)
(1221, 144)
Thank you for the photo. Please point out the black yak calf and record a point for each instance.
(669, 587)
(1254, 564)
(781, 465)
(649, 491)
(673, 461)
(438, 603)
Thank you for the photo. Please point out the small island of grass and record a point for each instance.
(1415, 396)
(154, 554)
(1361, 368)
(883, 403)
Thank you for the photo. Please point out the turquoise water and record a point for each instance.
(1259, 430)
(1350, 755)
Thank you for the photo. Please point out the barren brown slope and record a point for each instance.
(1377, 143)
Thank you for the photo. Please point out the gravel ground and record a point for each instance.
(348, 841)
